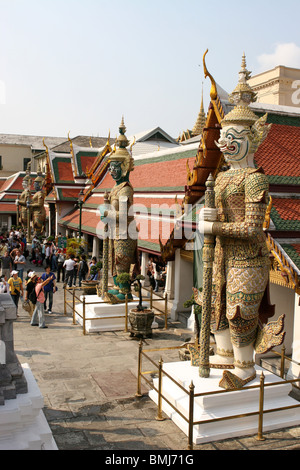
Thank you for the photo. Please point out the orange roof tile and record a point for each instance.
(288, 209)
(279, 154)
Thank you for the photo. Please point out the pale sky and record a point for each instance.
(79, 65)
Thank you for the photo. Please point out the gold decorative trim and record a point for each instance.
(282, 273)
(224, 353)
(244, 364)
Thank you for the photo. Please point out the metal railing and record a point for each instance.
(71, 303)
(192, 396)
(165, 299)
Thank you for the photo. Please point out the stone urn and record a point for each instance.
(89, 287)
(141, 322)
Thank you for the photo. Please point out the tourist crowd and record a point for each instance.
(35, 290)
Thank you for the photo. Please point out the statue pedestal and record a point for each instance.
(225, 404)
(23, 425)
(104, 313)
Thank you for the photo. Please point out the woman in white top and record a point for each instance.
(4, 286)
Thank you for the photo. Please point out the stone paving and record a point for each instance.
(89, 384)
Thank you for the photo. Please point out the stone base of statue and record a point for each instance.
(141, 322)
(23, 425)
(104, 316)
(233, 403)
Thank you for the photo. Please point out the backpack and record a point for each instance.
(32, 296)
(84, 268)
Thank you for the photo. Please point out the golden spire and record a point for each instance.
(201, 119)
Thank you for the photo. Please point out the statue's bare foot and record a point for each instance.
(245, 374)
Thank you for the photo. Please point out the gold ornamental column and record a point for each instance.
(208, 259)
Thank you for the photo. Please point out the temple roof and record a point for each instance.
(35, 142)
(159, 183)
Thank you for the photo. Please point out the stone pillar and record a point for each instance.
(95, 247)
(144, 264)
(183, 283)
(56, 221)
(169, 287)
(294, 370)
(12, 380)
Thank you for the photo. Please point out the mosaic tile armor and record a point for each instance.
(121, 228)
(239, 311)
(241, 266)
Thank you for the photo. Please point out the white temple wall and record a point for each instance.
(284, 300)
(183, 283)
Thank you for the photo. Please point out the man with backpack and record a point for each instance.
(49, 289)
(83, 269)
(30, 295)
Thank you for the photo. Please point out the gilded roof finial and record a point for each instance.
(71, 143)
(213, 91)
(108, 138)
(47, 150)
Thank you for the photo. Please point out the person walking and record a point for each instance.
(48, 254)
(15, 288)
(82, 269)
(49, 288)
(76, 267)
(54, 257)
(60, 265)
(69, 266)
(20, 262)
(30, 295)
(156, 277)
(6, 264)
(38, 317)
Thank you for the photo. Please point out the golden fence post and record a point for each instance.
(126, 313)
(159, 416)
(166, 311)
(139, 388)
(65, 303)
(282, 362)
(73, 291)
(191, 416)
(151, 297)
(259, 436)
(83, 315)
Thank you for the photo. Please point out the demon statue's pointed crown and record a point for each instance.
(242, 118)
